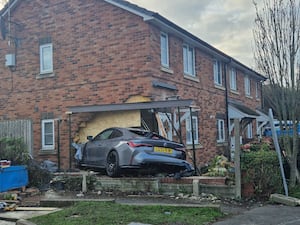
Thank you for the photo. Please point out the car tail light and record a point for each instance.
(134, 144)
(180, 149)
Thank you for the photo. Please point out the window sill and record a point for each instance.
(234, 92)
(258, 99)
(166, 69)
(45, 75)
(47, 152)
(219, 87)
(190, 146)
(190, 77)
(249, 96)
(223, 143)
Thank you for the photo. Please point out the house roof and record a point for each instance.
(158, 20)
(131, 106)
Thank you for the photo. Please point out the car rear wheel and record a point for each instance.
(112, 164)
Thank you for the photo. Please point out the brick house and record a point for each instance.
(72, 68)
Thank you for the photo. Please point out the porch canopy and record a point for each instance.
(239, 111)
(130, 106)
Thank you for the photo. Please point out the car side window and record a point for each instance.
(115, 134)
(104, 135)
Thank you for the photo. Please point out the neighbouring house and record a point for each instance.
(70, 68)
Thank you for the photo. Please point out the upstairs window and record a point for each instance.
(46, 55)
(218, 72)
(188, 60)
(257, 84)
(233, 85)
(247, 86)
(48, 134)
(189, 130)
(164, 49)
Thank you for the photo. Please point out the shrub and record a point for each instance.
(261, 168)
(15, 150)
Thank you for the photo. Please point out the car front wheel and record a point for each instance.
(112, 164)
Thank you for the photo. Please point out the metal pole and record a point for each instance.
(275, 140)
(70, 142)
(193, 142)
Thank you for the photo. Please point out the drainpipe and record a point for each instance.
(226, 105)
(58, 144)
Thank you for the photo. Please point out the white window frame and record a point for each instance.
(46, 146)
(247, 86)
(46, 61)
(249, 133)
(189, 60)
(164, 49)
(233, 80)
(189, 139)
(221, 130)
(218, 76)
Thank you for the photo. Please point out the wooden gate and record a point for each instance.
(18, 129)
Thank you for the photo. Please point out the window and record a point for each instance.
(47, 134)
(188, 60)
(220, 130)
(257, 84)
(189, 130)
(247, 86)
(218, 72)
(233, 85)
(46, 58)
(164, 50)
(249, 131)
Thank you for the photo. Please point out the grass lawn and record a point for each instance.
(109, 213)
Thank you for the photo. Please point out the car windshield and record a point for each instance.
(147, 134)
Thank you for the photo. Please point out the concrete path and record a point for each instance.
(4, 222)
(265, 215)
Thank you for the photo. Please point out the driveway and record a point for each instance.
(265, 215)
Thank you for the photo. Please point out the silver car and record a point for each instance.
(116, 149)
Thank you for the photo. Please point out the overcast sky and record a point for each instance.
(224, 24)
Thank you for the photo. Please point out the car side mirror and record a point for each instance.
(90, 138)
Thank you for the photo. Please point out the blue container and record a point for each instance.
(13, 177)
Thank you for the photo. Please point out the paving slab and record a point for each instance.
(26, 214)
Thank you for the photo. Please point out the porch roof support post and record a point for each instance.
(180, 131)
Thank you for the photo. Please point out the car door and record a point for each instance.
(96, 149)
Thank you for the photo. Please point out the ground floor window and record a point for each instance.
(249, 131)
(220, 130)
(189, 130)
(48, 134)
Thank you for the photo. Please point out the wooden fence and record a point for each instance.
(18, 129)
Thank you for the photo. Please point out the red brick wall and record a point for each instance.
(102, 55)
